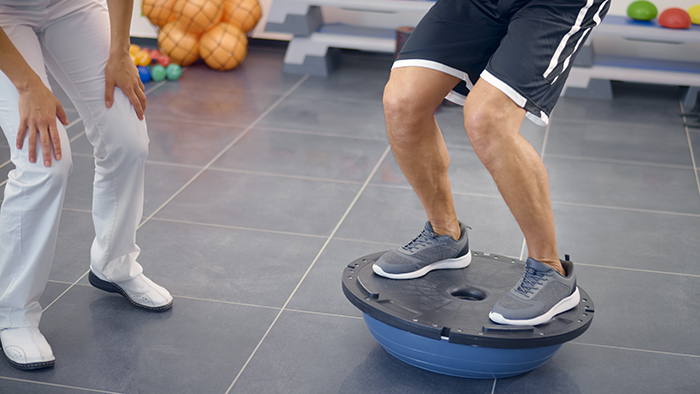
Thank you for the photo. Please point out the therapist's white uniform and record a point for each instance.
(71, 39)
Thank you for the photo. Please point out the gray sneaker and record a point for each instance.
(428, 251)
(541, 294)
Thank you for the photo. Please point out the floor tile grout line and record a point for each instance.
(73, 123)
(690, 147)
(188, 297)
(197, 122)
(232, 143)
(192, 121)
(226, 302)
(685, 275)
(694, 215)
(636, 350)
(318, 255)
(322, 134)
(248, 229)
(65, 291)
(215, 301)
(324, 314)
(290, 176)
(408, 187)
(167, 164)
(251, 172)
(614, 124)
(261, 230)
(77, 210)
(58, 385)
(389, 244)
(493, 388)
(616, 161)
(554, 202)
(157, 85)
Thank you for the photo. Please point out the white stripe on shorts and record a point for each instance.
(433, 65)
(504, 87)
(540, 119)
(562, 44)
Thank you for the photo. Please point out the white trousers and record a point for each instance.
(71, 39)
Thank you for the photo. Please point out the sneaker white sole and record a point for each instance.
(456, 263)
(561, 307)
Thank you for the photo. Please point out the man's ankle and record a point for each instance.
(454, 232)
(556, 264)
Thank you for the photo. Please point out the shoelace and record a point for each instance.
(531, 279)
(422, 239)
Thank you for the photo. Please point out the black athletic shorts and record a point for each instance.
(525, 48)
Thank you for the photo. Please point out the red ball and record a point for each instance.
(164, 60)
(675, 18)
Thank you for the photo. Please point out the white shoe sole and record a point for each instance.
(561, 307)
(456, 263)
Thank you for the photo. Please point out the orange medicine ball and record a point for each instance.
(196, 16)
(180, 46)
(223, 47)
(243, 13)
(159, 12)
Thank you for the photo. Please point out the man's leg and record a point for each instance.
(492, 121)
(548, 286)
(410, 98)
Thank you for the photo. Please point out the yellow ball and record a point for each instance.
(142, 58)
(694, 13)
(159, 12)
(196, 16)
(223, 47)
(243, 13)
(180, 46)
(133, 49)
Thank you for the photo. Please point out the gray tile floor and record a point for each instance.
(261, 187)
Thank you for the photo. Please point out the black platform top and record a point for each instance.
(455, 304)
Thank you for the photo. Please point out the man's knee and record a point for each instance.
(482, 126)
(491, 119)
(406, 113)
(398, 102)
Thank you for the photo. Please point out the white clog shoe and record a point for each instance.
(26, 348)
(140, 291)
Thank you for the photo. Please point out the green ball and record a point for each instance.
(642, 10)
(173, 72)
(157, 73)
